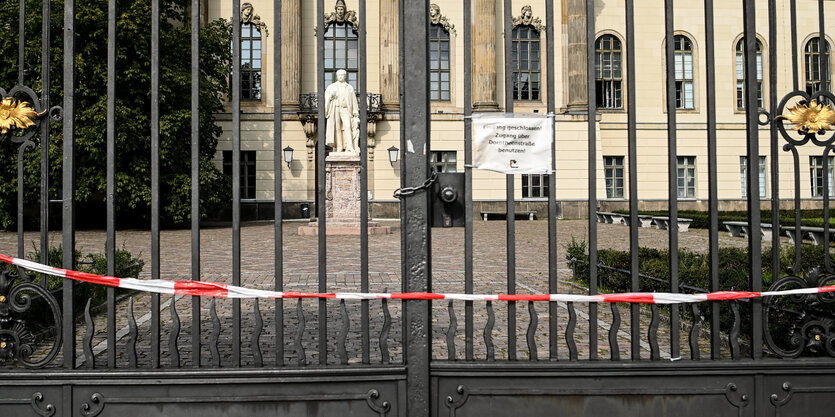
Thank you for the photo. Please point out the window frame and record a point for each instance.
(613, 164)
(816, 175)
(763, 174)
(248, 172)
(807, 67)
(688, 165)
(516, 53)
(542, 190)
(341, 33)
(445, 163)
(250, 74)
(739, 65)
(617, 83)
(440, 71)
(683, 80)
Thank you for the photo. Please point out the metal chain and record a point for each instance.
(404, 192)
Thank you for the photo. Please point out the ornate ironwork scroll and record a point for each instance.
(800, 323)
(17, 341)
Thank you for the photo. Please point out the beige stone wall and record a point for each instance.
(571, 130)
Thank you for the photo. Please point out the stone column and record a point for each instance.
(578, 99)
(390, 54)
(291, 80)
(484, 56)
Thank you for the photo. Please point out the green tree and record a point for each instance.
(133, 107)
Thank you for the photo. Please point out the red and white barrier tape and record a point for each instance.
(215, 289)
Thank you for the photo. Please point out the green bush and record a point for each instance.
(694, 272)
(127, 266)
(701, 219)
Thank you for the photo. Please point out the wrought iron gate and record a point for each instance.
(394, 370)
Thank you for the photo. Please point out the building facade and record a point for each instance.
(530, 46)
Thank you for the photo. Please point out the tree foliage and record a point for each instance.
(133, 108)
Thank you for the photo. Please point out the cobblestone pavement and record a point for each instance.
(343, 274)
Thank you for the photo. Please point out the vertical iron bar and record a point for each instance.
(323, 249)
(775, 144)
(155, 252)
(753, 136)
(793, 17)
(68, 167)
(511, 204)
(468, 178)
(236, 178)
(21, 48)
(632, 135)
(415, 121)
(713, 201)
(111, 181)
(824, 59)
(21, 43)
(363, 86)
(278, 185)
(195, 178)
(553, 307)
(824, 68)
(672, 158)
(46, 84)
(592, 173)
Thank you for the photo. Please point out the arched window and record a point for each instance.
(685, 91)
(817, 79)
(609, 73)
(439, 85)
(740, 74)
(250, 62)
(341, 52)
(526, 63)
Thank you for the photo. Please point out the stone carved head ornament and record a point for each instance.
(527, 19)
(436, 18)
(248, 16)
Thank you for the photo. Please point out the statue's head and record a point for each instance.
(341, 75)
(527, 13)
(434, 10)
(246, 10)
(340, 9)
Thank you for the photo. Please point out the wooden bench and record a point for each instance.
(663, 223)
(531, 214)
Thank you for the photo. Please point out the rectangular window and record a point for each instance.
(439, 58)
(444, 161)
(816, 168)
(743, 174)
(534, 185)
(686, 174)
(613, 167)
(247, 172)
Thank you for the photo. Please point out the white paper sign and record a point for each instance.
(513, 143)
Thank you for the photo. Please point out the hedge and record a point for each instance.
(812, 218)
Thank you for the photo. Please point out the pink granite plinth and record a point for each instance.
(343, 198)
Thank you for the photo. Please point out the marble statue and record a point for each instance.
(342, 114)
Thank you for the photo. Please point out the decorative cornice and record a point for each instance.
(527, 19)
(248, 16)
(437, 18)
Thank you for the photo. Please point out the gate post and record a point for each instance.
(414, 127)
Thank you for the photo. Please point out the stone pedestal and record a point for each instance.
(343, 198)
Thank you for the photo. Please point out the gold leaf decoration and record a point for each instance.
(814, 117)
(15, 114)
